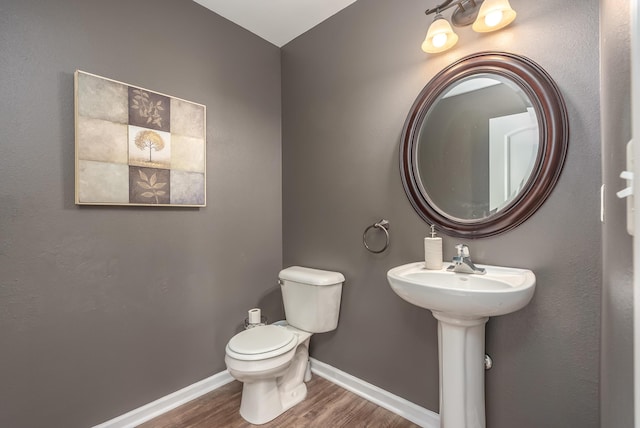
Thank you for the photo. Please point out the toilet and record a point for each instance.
(272, 360)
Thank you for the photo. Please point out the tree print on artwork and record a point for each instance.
(149, 140)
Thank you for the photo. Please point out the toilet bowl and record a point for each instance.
(272, 361)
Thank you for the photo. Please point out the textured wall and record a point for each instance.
(617, 292)
(348, 85)
(104, 309)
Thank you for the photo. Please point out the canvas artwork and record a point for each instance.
(137, 147)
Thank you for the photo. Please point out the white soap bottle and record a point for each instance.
(433, 251)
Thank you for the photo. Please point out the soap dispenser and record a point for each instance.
(433, 251)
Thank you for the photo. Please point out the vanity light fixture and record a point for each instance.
(440, 36)
(483, 16)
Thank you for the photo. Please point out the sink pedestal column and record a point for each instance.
(461, 357)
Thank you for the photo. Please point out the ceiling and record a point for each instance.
(277, 21)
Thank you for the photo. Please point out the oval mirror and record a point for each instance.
(484, 144)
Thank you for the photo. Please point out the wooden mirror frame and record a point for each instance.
(553, 129)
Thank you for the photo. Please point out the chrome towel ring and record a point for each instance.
(382, 225)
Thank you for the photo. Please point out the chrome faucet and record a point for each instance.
(462, 262)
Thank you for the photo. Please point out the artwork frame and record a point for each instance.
(137, 147)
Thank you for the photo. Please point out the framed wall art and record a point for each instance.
(137, 147)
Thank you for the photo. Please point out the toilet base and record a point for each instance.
(293, 397)
(263, 401)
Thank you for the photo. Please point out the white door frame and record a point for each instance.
(635, 132)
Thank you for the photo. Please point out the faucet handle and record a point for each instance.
(463, 250)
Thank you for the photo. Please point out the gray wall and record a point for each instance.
(347, 87)
(617, 292)
(105, 309)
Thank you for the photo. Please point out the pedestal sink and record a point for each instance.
(462, 303)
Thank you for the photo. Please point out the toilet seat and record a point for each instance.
(262, 342)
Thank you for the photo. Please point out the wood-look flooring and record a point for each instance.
(326, 406)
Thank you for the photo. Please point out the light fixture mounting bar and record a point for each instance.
(464, 15)
(442, 6)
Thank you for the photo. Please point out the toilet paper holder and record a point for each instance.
(254, 319)
(248, 325)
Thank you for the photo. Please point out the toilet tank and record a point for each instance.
(311, 298)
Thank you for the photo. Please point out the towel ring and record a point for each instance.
(382, 225)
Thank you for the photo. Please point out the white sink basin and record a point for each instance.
(500, 291)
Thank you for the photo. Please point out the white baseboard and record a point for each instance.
(408, 410)
(398, 405)
(169, 402)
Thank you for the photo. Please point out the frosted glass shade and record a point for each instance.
(494, 15)
(440, 36)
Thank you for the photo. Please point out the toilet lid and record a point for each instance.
(260, 340)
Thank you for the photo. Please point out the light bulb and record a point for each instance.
(440, 36)
(493, 18)
(494, 15)
(439, 40)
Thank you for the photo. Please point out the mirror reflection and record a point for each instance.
(477, 147)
